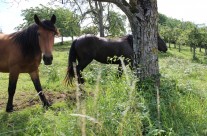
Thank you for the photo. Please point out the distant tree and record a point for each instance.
(67, 21)
(178, 32)
(203, 38)
(183, 38)
(116, 24)
(90, 30)
(162, 19)
(193, 40)
(28, 14)
(166, 33)
(102, 15)
(1, 30)
(96, 11)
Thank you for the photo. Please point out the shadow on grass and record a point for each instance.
(13, 124)
(202, 60)
(177, 109)
(164, 55)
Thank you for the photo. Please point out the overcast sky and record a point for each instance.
(188, 10)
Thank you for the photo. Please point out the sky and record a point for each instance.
(186, 10)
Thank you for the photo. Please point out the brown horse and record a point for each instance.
(21, 52)
(89, 47)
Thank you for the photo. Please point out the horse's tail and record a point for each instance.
(71, 59)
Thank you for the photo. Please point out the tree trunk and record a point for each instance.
(175, 45)
(179, 48)
(98, 15)
(169, 44)
(194, 52)
(145, 47)
(142, 15)
(61, 40)
(72, 38)
(100, 18)
(205, 51)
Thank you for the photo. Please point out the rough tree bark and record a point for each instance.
(142, 15)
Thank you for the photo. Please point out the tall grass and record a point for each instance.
(107, 105)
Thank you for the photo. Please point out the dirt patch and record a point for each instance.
(28, 99)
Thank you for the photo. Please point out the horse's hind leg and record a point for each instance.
(36, 81)
(81, 65)
(13, 77)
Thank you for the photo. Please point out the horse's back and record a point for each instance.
(85, 46)
(101, 49)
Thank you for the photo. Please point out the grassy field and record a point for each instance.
(108, 105)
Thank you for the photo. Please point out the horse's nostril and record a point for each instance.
(47, 59)
(44, 58)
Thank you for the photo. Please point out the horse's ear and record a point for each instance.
(37, 20)
(53, 19)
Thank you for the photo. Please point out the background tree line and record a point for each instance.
(182, 33)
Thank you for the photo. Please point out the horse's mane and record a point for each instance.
(129, 39)
(27, 38)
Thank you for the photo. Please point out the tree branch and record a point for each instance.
(111, 1)
(122, 4)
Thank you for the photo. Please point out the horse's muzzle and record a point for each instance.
(47, 59)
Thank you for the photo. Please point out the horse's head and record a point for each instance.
(130, 40)
(161, 44)
(46, 34)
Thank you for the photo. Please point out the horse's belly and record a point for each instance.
(28, 68)
(4, 69)
(8, 65)
(4, 65)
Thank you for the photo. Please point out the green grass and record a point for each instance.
(108, 105)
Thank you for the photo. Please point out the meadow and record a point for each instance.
(106, 105)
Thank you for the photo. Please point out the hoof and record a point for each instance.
(47, 104)
(9, 109)
(81, 81)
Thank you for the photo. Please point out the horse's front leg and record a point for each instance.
(36, 81)
(120, 70)
(13, 77)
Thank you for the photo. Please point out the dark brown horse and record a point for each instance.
(89, 47)
(21, 52)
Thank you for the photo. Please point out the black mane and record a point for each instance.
(27, 38)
